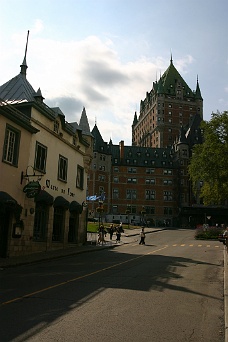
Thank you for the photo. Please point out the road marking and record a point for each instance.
(78, 278)
(183, 245)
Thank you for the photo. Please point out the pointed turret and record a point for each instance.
(38, 96)
(84, 124)
(160, 89)
(135, 119)
(198, 92)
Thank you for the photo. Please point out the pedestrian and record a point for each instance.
(118, 235)
(142, 237)
(111, 231)
(225, 235)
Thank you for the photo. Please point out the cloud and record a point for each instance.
(71, 107)
(37, 27)
(90, 73)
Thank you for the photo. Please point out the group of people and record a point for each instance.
(102, 232)
(117, 230)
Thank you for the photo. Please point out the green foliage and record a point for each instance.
(209, 161)
(210, 233)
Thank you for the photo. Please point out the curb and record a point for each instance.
(225, 294)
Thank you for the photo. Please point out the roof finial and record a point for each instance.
(24, 64)
(171, 59)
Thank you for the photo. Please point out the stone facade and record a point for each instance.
(44, 166)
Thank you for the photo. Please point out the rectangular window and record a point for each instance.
(62, 169)
(115, 193)
(168, 196)
(167, 182)
(40, 157)
(11, 145)
(80, 177)
(131, 180)
(131, 170)
(168, 211)
(149, 171)
(115, 179)
(56, 126)
(115, 209)
(167, 172)
(150, 195)
(131, 194)
(150, 181)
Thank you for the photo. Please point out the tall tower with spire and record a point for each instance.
(168, 106)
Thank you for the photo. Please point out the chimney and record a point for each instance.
(121, 144)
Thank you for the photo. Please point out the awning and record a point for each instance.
(7, 200)
(61, 202)
(75, 206)
(8, 203)
(44, 197)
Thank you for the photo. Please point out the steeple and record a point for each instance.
(135, 119)
(24, 63)
(84, 124)
(198, 92)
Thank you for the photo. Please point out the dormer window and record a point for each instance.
(56, 126)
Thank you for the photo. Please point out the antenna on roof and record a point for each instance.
(24, 64)
(26, 45)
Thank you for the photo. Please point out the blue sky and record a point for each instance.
(105, 54)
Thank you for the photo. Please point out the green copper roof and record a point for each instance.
(169, 82)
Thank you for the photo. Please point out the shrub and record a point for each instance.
(208, 233)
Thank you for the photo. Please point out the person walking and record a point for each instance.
(118, 235)
(225, 235)
(142, 237)
(111, 231)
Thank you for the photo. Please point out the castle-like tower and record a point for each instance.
(169, 105)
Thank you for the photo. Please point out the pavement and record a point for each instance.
(129, 236)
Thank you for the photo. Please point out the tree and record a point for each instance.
(209, 162)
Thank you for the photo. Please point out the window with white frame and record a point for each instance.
(11, 145)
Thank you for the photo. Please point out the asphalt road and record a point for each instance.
(171, 289)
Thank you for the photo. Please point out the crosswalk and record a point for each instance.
(198, 245)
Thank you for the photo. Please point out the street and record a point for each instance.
(171, 289)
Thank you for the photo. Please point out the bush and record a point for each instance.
(208, 233)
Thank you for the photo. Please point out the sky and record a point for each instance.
(104, 55)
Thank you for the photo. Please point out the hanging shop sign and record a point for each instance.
(32, 189)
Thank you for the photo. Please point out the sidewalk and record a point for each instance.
(129, 236)
(226, 293)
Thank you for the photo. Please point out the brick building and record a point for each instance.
(143, 184)
(169, 105)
